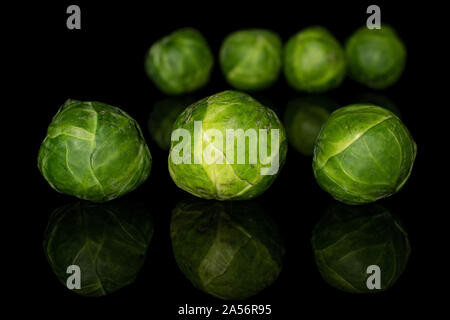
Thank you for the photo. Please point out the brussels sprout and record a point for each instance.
(375, 57)
(180, 62)
(229, 250)
(314, 61)
(162, 118)
(348, 239)
(107, 242)
(304, 118)
(227, 146)
(251, 59)
(94, 151)
(363, 153)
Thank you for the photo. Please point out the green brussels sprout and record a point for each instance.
(375, 57)
(226, 249)
(162, 118)
(251, 59)
(304, 118)
(181, 62)
(94, 151)
(314, 61)
(108, 242)
(363, 153)
(227, 147)
(348, 240)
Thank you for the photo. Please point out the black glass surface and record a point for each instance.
(104, 61)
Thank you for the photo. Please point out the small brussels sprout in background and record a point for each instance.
(231, 250)
(348, 239)
(212, 168)
(363, 153)
(162, 118)
(377, 99)
(181, 62)
(94, 151)
(303, 119)
(108, 242)
(251, 59)
(375, 57)
(314, 61)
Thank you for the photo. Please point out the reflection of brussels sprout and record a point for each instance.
(162, 118)
(363, 153)
(229, 250)
(350, 239)
(376, 57)
(180, 62)
(304, 118)
(251, 59)
(94, 151)
(314, 61)
(107, 242)
(378, 100)
(215, 169)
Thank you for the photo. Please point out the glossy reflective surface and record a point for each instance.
(105, 61)
(106, 243)
(231, 250)
(350, 241)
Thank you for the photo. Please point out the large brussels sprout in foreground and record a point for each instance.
(227, 146)
(231, 250)
(251, 59)
(107, 242)
(181, 62)
(162, 118)
(314, 61)
(303, 119)
(94, 151)
(375, 57)
(348, 240)
(363, 153)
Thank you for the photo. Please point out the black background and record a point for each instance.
(104, 62)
